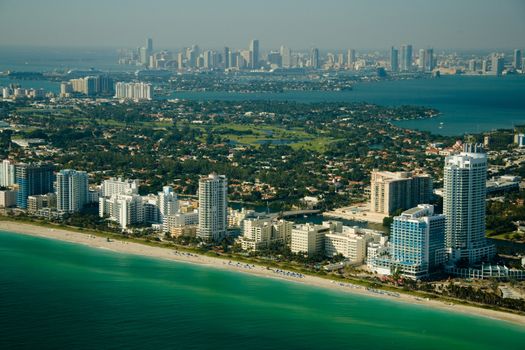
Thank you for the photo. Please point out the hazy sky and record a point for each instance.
(297, 23)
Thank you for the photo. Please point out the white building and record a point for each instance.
(308, 239)
(119, 186)
(72, 190)
(350, 242)
(7, 173)
(179, 220)
(213, 206)
(133, 91)
(464, 193)
(168, 201)
(263, 232)
(125, 209)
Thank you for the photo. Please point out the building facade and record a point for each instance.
(213, 207)
(32, 179)
(72, 190)
(464, 194)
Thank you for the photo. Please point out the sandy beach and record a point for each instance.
(171, 254)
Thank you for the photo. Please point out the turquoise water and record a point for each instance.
(58, 295)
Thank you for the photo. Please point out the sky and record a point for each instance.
(299, 24)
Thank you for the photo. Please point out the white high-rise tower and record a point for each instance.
(465, 177)
(213, 207)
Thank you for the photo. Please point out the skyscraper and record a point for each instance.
(7, 173)
(517, 62)
(254, 54)
(72, 190)
(226, 58)
(406, 58)
(286, 57)
(350, 60)
(497, 65)
(417, 241)
(213, 207)
(390, 192)
(394, 56)
(314, 59)
(32, 179)
(464, 193)
(421, 60)
(430, 64)
(168, 202)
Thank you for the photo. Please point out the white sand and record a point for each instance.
(170, 254)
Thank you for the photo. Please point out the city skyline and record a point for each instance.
(332, 24)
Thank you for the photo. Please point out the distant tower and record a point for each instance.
(464, 192)
(406, 58)
(314, 59)
(226, 58)
(254, 54)
(394, 63)
(497, 64)
(430, 63)
(517, 62)
(421, 60)
(350, 60)
(286, 57)
(150, 46)
(72, 190)
(213, 206)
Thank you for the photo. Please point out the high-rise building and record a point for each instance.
(168, 201)
(149, 46)
(32, 179)
(394, 56)
(286, 57)
(497, 65)
(401, 190)
(517, 61)
(125, 209)
(119, 186)
(254, 54)
(464, 193)
(350, 59)
(406, 58)
(314, 59)
(421, 60)
(213, 207)
(72, 190)
(417, 241)
(226, 58)
(430, 63)
(7, 173)
(133, 91)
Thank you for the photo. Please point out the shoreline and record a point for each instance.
(120, 246)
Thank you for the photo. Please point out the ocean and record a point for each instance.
(58, 295)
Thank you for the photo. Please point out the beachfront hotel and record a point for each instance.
(213, 207)
(308, 239)
(464, 193)
(417, 244)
